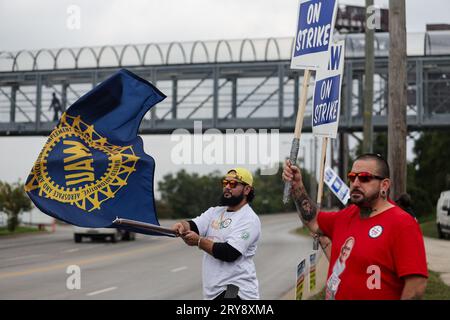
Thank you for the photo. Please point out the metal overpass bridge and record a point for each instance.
(226, 84)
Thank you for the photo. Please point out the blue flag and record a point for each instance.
(93, 167)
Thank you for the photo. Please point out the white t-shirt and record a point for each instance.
(241, 230)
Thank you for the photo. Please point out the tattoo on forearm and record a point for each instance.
(305, 206)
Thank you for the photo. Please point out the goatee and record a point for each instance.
(365, 204)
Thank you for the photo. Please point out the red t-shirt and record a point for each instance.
(389, 245)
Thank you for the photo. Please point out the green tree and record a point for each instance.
(188, 195)
(432, 165)
(13, 201)
(421, 202)
(269, 192)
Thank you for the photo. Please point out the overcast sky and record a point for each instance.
(44, 24)
(26, 24)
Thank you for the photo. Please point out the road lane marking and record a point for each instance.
(90, 247)
(101, 291)
(78, 249)
(85, 261)
(24, 257)
(179, 269)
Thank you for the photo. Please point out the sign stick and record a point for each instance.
(320, 188)
(298, 129)
(321, 172)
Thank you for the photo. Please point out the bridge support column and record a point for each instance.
(215, 97)
(360, 95)
(38, 101)
(94, 79)
(343, 155)
(153, 110)
(174, 97)
(419, 91)
(233, 97)
(12, 114)
(280, 94)
(64, 96)
(348, 91)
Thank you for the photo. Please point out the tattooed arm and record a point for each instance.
(306, 208)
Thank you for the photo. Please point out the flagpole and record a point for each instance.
(145, 226)
(298, 129)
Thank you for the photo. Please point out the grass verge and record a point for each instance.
(4, 231)
(429, 229)
(436, 288)
(303, 231)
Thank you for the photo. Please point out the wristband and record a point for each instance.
(198, 243)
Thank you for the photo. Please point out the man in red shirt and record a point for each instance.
(377, 248)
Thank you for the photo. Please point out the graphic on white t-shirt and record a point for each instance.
(221, 222)
(339, 267)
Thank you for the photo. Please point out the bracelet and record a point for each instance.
(198, 243)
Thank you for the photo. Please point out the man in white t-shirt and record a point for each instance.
(228, 234)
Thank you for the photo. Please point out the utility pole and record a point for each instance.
(343, 154)
(397, 97)
(368, 80)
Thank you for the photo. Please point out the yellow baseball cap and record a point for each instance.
(241, 174)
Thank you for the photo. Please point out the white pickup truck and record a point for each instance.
(113, 234)
(443, 214)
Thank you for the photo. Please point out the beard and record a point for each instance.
(362, 200)
(231, 201)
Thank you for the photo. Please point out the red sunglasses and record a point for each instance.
(362, 176)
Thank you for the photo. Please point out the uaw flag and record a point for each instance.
(93, 167)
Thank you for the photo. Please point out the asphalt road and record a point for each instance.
(35, 266)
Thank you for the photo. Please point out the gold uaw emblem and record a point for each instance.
(78, 166)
